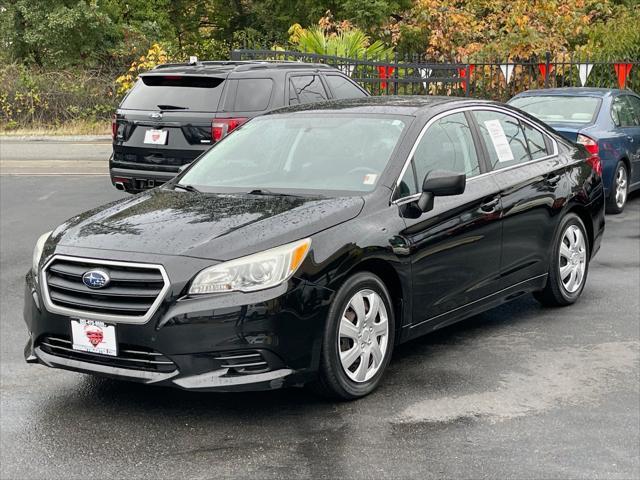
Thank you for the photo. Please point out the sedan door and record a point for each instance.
(533, 187)
(629, 117)
(455, 247)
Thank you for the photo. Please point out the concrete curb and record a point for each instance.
(55, 138)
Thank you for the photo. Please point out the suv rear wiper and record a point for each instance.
(171, 107)
(188, 188)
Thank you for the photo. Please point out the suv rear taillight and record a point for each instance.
(594, 152)
(114, 127)
(220, 127)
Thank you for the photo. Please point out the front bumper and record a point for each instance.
(232, 342)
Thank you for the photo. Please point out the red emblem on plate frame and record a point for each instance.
(94, 334)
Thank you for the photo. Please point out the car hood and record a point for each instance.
(212, 226)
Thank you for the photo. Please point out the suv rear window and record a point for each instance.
(175, 92)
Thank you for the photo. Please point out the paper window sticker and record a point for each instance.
(370, 179)
(499, 140)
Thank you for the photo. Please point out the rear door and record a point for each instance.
(165, 120)
(533, 185)
(455, 248)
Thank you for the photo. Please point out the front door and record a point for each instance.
(455, 248)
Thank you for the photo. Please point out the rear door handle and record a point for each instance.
(490, 205)
(552, 178)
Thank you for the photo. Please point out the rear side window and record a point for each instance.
(175, 92)
(535, 141)
(343, 88)
(253, 94)
(306, 89)
(504, 138)
(622, 112)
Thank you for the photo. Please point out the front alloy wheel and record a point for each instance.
(358, 339)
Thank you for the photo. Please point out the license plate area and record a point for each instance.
(92, 336)
(155, 137)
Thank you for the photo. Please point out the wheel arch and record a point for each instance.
(384, 270)
(584, 215)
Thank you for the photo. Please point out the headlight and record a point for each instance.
(37, 251)
(253, 272)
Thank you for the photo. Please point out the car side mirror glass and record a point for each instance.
(440, 183)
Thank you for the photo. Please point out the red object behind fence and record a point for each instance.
(462, 72)
(383, 74)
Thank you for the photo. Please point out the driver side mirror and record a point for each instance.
(440, 183)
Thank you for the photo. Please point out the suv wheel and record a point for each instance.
(569, 264)
(619, 189)
(358, 339)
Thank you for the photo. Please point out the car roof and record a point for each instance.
(389, 104)
(226, 67)
(573, 91)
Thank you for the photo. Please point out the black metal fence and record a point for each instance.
(494, 79)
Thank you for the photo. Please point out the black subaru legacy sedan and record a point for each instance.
(305, 246)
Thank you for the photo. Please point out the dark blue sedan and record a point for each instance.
(606, 122)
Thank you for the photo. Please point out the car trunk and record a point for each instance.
(569, 131)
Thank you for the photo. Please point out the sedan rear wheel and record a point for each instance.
(569, 264)
(619, 189)
(358, 339)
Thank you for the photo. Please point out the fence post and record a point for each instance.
(467, 74)
(235, 55)
(395, 73)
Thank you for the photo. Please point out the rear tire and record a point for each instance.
(569, 264)
(358, 339)
(619, 190)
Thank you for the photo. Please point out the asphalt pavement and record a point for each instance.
(518, 392)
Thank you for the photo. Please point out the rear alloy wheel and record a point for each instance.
(358, 339)
(619, 190)
(569, 264)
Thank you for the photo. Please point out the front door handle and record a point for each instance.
(490, 205)
(552, 178)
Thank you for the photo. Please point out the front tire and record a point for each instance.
(569, 264)
(619, 189)
(358, 339)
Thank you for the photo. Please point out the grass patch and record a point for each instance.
(80, 127)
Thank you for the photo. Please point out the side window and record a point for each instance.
(622, 113)
(446, 145)
(504, 138)
(306, 89)
(253, 94)
(535, 141)
(635, 106)
(343, 88)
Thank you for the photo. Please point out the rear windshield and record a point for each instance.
(559, 108)
(175, 92)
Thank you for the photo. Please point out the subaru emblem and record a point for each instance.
(96, 279)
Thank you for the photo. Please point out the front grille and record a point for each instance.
(132, 291)
(243, 363)
(129, 356)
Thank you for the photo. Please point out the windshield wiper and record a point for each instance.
(264, 191)
(171, 107)
(188, 188)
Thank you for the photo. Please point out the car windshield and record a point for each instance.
(317, 153)
(559, 108)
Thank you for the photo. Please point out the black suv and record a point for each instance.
(177, 111)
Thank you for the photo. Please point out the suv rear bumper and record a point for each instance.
(138, 180)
